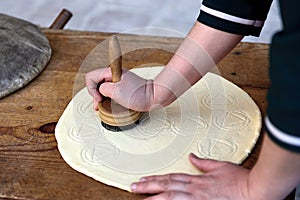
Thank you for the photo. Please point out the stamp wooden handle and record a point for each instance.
(112, 114)
(115, 58)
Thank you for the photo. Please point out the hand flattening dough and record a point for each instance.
(214, 119)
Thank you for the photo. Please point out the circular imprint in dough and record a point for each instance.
(107, 151)
(218, 100)
(212, 147)
(88, 158)
(83, 106)
(184, 125)
(151, 125)
(232, 121)
(164, 138)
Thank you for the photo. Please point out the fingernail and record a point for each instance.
(142, 179)
(133, 186)
(193, 155)
(96, 107)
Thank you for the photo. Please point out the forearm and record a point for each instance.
(201, 50)
(276, 172)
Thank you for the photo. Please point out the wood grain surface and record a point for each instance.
(30, 164)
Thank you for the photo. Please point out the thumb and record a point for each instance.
(205, 165)
(107, 89)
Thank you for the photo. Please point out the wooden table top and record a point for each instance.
(30, 164)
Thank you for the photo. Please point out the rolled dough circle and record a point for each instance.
(214, 119)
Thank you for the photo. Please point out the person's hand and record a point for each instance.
(132, 91)
(221, 180)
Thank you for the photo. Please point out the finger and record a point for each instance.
(97, 98)
(92, 81)
(205, 165)
(154, 187)
(174, 195)
(94, 77)
(170, 177)
(99, 75)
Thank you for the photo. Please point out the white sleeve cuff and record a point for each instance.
(280, 135)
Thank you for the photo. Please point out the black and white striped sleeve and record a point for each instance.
(283, 121)
(283, 139)
(243, 17)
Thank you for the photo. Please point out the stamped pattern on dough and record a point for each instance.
(87, 157)
(150, 126)
(74, 134)
(222, 147)
(184, 126)
(85, 131)
(232, 121)
(83, 107)
(100, 153)
(218, 100)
